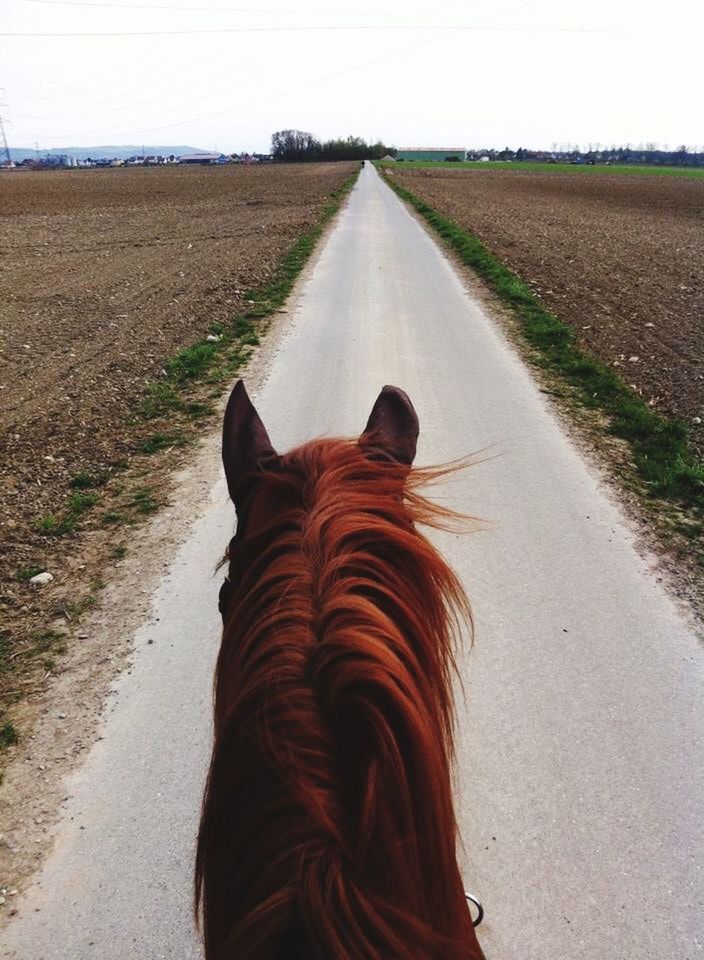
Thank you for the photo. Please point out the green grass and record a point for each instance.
(80, 502)
(112, 518)
(660, 449)
(160, 398)
(160, 441)
(499, 166)
(52, 525)
(26, 573)
(78, 609)
(46, 640)
(8, 735)
(5, 650)
(87, 481)
(191, 363)
(198, 411)
(143, 502)
(44, 646)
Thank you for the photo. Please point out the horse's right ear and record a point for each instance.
(391, 432)
(246, 446)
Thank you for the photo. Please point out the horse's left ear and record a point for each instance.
(392, 429)
(246, 446)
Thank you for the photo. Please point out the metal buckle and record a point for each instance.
(480, 909)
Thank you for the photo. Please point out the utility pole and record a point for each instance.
(4, 140)
(2, 128)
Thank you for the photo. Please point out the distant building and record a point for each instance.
(430, 153)
(200, 158)
(51, 161)
(248, 158)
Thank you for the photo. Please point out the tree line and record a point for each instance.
(648, 155)
(299, 146)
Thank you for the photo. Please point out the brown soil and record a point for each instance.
(103, 276)
(619, 258)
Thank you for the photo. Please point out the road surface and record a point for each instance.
(580, 759)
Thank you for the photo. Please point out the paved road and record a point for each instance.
(580, 753)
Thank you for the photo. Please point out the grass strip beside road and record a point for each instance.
(220, 356)
(659, 445)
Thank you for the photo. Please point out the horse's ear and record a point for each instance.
(246, 446)
(392, 428)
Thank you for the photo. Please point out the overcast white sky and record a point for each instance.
(227, 73)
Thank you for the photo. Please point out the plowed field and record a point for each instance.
(104, 275)
(619, 258)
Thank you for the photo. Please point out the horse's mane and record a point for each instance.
(328, 829)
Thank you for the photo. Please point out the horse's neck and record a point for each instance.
(293, 945)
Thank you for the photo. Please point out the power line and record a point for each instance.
(155, 6)
(179, 106)
(311, 83)
(92, 88)
(89, 88)
(315, 28)
(147, 6)
(123, 93)
(256, 102)
(170, 6)
(446, 32)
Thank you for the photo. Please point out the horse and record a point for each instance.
(327, 829)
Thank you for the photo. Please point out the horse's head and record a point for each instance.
(328, 828)
(252, 464)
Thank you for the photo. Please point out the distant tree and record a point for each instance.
(294, 146)
(649, 153)
(680, 156)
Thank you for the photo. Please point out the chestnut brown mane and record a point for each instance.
(328, 830)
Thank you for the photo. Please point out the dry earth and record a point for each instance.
(619, 258)
(104, 275)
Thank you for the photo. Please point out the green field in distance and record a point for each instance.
(502, 165)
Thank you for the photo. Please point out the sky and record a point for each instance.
(225, 74)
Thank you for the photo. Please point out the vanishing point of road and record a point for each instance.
(580, 765)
